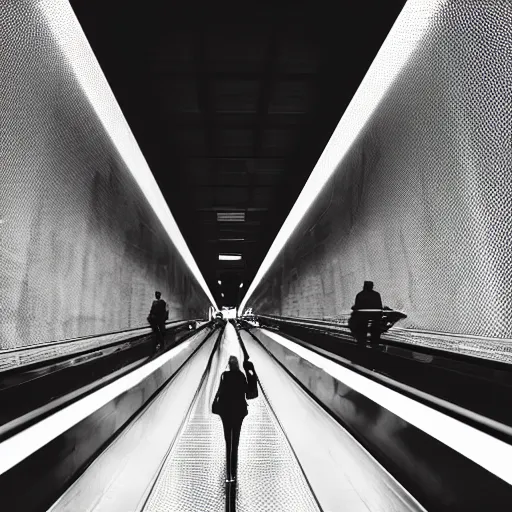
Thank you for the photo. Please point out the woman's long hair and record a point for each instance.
(233, 363)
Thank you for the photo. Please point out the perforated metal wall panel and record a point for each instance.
(81, 250)
(421, 201)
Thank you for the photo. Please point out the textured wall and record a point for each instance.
(81, 251)
(422, 202)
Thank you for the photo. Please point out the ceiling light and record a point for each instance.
(230, 257)
(230, 216)
(409, 29)
(219, 281)
(241, 285)
(72, 42)
(231, 239)
(222, 295)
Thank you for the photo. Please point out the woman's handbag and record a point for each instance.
(252, 381)
(216, 405)
(216, 408)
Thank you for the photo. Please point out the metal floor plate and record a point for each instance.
(192, 477)
(270, 478)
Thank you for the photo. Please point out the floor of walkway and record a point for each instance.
(192, 477)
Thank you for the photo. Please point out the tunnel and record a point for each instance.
(255, 257)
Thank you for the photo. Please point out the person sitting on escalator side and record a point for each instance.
(219, 320)
(367, 313)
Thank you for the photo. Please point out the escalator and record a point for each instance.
(162, 463)
(31, 392)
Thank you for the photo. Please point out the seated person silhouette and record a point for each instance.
(367, 314)
(219, 320)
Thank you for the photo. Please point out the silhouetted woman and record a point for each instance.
(232, 408)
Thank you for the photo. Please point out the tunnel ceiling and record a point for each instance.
(232, 107)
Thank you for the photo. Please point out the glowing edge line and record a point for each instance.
(25, 443)
(407, 31)
(75, 46)
(486, 451)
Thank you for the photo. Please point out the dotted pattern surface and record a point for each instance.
(421, 203)
(270, 477)
(81, 250)
(192, 475)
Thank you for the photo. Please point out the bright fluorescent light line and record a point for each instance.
(27, 442)
(229, 257)
(73, 43)
(490, 453)
(410, 27)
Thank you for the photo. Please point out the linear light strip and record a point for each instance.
(409, 29)
(230, 257)
(75, 46)
(486, 451)
(22, 445)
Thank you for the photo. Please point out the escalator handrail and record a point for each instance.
(129, 335)
(20, 423)
(473, 418)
